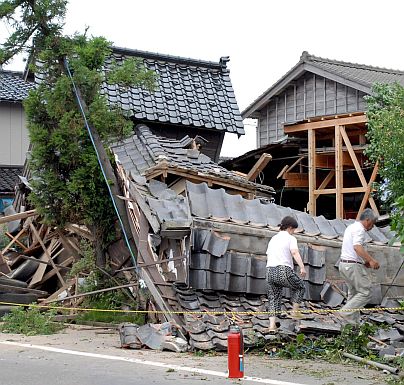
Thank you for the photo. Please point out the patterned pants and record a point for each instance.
(279, 277)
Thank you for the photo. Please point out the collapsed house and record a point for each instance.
(201, 231)
(201, 250)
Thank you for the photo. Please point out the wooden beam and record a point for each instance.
(282, 171)
(339, 175)
(368, 191)
(312, 171)
(353, 156)
(40, 271)
(51, 273)
(13, 240)
(327, 180)
(14, 217)
(34, 230)
(259, 166)
(326, 123)
(295, 163)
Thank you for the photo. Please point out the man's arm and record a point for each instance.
(369, 261)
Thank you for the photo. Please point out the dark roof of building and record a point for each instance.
(9, 178)
(13, 87)
(358, 76)
(219, 205)
(189, 92)
(144, 150)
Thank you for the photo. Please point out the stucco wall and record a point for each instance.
(13, 134)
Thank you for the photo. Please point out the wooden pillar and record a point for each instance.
(339, 174)
(312, 170)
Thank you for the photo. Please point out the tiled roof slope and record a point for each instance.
(144, 150)
(362, 74)
(217, 204)
(13, 88)
(189, 92)
(9, 178)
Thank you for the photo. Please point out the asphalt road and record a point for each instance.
(88, 357)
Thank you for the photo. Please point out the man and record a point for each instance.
(353, 265)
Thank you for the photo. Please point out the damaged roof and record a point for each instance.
(9, 178)
(144, 151)
(189, 92)
(358, 76)
(219, 205)
(13, 88)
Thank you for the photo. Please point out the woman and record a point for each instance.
(282, 249)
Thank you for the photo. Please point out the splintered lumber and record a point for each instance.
(16, 289)
(51, 273)
(40, 271)
(4, 267)
(93, 292)
(259, 166)
(54, 295)
(15, 240)
(15, 217)
(34, 230)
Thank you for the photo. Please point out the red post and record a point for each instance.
(235, 352)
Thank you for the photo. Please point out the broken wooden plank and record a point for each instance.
(51, 273)
(16, 289)
(4, 267)
(40, 271)
(13, 240)
(259, 166)
(15, 217)
(34, 230)
(93, 292)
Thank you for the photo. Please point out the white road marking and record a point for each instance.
(149, 363)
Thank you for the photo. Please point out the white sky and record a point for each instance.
(263, 38)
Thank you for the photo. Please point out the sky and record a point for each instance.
(264, 38)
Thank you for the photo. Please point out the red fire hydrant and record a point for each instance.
(235, 351)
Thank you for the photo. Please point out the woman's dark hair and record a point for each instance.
(288, 222)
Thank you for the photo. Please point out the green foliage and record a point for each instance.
(386, 137)
(352, 340)
(30, 322)
(68, 185)
(4, 241)
(86, 264)
(109, 300)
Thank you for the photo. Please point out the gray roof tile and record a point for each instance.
(9, 178)
(206, 202)
(187, 86)
(13, 88)
(147, 150)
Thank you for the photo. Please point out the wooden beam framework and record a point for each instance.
(342, 154)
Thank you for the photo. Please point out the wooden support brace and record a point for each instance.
(34, 230)
(14, 217)
(14, 240)
(367, 196)
(324, 183)
(259, 166)
(312, 171)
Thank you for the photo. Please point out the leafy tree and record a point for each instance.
(386, 136)
(67, 179)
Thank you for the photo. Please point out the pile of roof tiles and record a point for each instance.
(209, 314)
